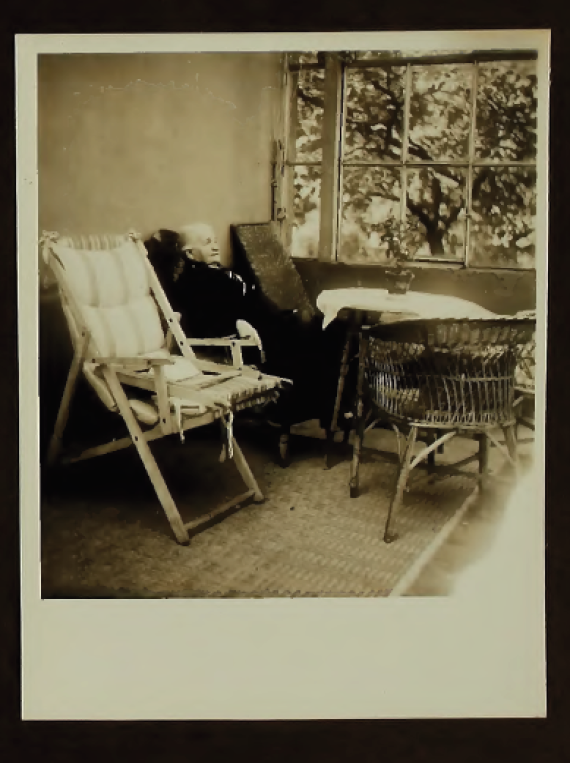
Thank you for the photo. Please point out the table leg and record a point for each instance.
(344, 364)
(341, 379)
(360, 418)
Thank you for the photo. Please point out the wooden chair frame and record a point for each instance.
(118, 373)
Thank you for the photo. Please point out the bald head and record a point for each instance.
(199, 242)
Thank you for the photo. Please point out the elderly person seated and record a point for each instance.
(209, 298)
(215, 302)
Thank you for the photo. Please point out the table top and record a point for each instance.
(413, 305)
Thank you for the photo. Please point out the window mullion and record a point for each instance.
(472, 129)
(340, 200)
(330, 158)
(280, 142)
(291, 155)
(406, 130)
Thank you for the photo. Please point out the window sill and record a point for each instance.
(423, 265)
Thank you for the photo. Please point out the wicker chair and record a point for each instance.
(261, 259)
(432, 380)
(525, 382)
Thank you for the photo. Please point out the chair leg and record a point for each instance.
(161, 489)
(483, 460)
(440, 448)
(431, 460)
(360, 417)
(284, 455)
(246, 473)
(329, 444)
(403, 473)
(347, 429)
(511, 443)
(54, 447)
(356, 454)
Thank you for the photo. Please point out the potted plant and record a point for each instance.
(399, 237)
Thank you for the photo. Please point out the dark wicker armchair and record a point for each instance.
(314, 355)
(432, 380)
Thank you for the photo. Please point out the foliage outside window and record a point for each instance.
(444, 147)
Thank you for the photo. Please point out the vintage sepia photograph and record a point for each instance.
(291, 319)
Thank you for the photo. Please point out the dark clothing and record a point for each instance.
(211, 300)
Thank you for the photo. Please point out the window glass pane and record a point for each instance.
(503, 219)
(506, 111)
(303, 58)
(436, 212)
(370, 207)
(309, 117)
(440, 112)
(306, 211)
(374, 114)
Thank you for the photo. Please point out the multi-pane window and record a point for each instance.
(441, 149)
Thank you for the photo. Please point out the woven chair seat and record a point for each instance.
(447, 373)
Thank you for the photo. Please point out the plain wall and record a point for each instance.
(148, 141)
(155, 140)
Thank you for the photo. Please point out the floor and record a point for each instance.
(104, 534)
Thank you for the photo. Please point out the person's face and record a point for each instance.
(205, 249)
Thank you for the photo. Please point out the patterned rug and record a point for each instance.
(104, 534)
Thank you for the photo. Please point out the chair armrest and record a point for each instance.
(134, 362)
(249, 372)
(234, 344)
(222, 342)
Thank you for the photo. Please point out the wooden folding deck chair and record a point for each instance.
(123, 330)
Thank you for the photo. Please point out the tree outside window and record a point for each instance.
(443, 145)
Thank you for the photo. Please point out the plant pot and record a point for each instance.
(399, 281)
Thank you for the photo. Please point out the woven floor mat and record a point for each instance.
(309, 538)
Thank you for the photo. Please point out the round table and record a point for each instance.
(413, 305)
(359, 303)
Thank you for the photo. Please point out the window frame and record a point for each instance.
(335, 66)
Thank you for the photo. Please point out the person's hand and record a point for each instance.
(246, 331)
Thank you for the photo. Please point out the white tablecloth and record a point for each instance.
(411, 306)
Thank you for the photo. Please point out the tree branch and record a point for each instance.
(452, 216)
(310, 99)
(478, 182)
(420, 213)
(437, 197)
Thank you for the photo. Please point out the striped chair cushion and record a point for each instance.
(111, 289)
